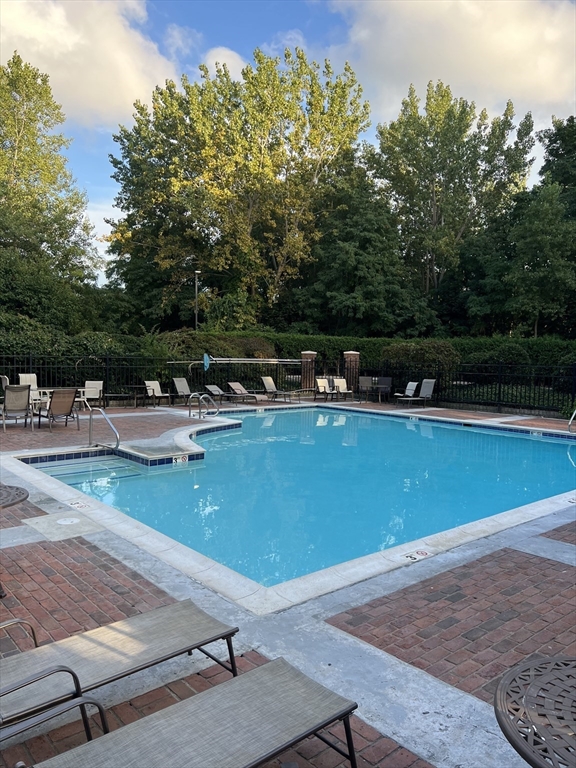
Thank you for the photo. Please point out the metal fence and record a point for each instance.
(522, 387)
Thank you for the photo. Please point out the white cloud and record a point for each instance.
(488, 52)
(181, 41)
(222, 55)
(98, 62)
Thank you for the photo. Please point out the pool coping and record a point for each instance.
(245, 592)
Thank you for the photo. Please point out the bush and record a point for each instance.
(428, 354)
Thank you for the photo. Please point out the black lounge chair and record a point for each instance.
(106, 654)
(241, 723)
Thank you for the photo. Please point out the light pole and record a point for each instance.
(196, 273)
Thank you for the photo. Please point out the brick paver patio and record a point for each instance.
(565, 533)
(70, 586)
(468, 625)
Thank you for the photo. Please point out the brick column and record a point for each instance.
(308, 380)
(351, 367)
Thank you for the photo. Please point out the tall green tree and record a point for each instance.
(221, 176)
(355, 284)
(560, 159)
(446, 172)
(47, 258)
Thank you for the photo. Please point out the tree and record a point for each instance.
(446, 173)
(560, 159)
(45, 237)
(355, 284)
(221, 177)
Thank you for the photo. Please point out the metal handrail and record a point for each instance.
(112, 427)
(202, 397)
(571, 420)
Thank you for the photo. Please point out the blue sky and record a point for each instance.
(102, 55)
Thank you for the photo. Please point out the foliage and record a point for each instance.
(426, 354)
(46, 253)
(560, 159)
(446, 171)
(221, 177)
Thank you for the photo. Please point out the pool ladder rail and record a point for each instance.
(571, 420)
(106, 418)
(203, 399)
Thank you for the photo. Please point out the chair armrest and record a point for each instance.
(8, 623)
(40, 676)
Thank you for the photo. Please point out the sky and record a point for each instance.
(103, 55)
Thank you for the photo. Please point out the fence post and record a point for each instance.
(308, 379)
(351, 367)
(499, 396)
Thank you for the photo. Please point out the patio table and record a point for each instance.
(535, 705)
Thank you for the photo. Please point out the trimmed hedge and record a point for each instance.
(21, 335)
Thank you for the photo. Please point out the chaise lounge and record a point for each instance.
(106, 654)
(241, 723)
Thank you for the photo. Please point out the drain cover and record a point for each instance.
(67, 520)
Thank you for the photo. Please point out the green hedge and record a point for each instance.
(20, 335)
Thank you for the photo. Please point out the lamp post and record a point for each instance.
(196, 273)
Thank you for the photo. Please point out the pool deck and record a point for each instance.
(420, 647)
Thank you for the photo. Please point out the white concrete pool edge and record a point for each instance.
(248, 594)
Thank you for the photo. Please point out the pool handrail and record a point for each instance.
(112, 427)
(571, 420)
(202, 397)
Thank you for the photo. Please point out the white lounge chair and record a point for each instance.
(408, 392)
(240, 391)
(324, 388)
(341, 387)
(426, 390)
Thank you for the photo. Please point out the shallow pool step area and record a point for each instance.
(78, 471)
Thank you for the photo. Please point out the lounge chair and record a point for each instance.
(106, 654)
(61, 406)
(365, 386)
(324, 388)
(17, 404)
(426, 390)
(240, 391)
(154, 391)
(241, 723)
(410, 391)
(182, 389)
(272, 392)
(341, 387)
(216, 393)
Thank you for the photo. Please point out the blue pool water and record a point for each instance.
(294, 492)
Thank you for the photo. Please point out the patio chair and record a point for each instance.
(324, 388)
(17, 404)
(426, 390)
(365, 387)
(341, 387)
(239, 390)
(408, 392)
(240, 723)
(93, 390)
(384, 387)
(38, 397)
(154, 391)
(106, 654)
(61, 406)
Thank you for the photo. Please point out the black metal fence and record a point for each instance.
(522, 387)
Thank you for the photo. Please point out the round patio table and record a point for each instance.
(10, 495)
(535, 705)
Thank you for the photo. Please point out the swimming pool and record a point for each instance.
(295, 492)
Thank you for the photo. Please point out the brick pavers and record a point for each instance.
(468, 625)
(373, 749)
(565, 533)
(69, 586)
(13, 516)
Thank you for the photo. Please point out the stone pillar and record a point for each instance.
(351, 367)
(308, 380)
